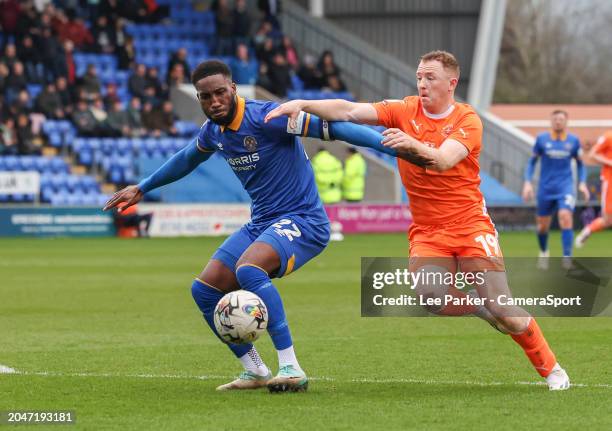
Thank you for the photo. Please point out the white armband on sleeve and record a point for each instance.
(295, 127)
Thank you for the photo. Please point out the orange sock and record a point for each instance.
(596, 225)
(536, 348)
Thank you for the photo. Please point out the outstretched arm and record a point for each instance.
(331, 110)
(179, 165)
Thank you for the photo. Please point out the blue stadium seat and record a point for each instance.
(41, 164)
(2, 164)
(34, 90)
(58, 166)
(27, 163)
(11, 163)
(55, 139)
(89, 184)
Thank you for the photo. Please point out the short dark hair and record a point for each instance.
(209, 68)
(560, 111)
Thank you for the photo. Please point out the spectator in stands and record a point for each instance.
(49, 102)
(119, 33)
(263, 80)
(137, 81)
(263, 32)
(31, 59)
(334, 83)
(148, 120)
(16, 81)
(111, 95)
(280, 75)
(68, 65)
(242, 22)
(134, 118)
(21, 104)
(270, 9)
(71, 27)
(266, 52)
(179, 57)
(84, 120)
(164, 118)
(309, 74)
(290, 53)
(8, 137)
(177, 75)
(224, 22)
(244, 71)
(27, 142)
(4, 74)
(65, 95)
(10, 55)
(104, 36)
(149, 95)
(90, 82)
(152, 80)
(126, 54)
(111, 9)
(53, 55)
(9, 14)
(27, 22)
(328, 68)
(118, 120)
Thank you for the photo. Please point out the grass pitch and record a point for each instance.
(107, 328)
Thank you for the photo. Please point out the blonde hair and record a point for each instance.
(448, 60)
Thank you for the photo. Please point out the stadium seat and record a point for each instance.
(58, 166)
(26, 163)
(11, 163)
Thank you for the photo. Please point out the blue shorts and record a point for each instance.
(546, 206)
(296, 239)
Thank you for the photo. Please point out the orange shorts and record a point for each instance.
(474, 245)
(606, 197)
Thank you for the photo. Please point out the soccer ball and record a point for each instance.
(240, 317)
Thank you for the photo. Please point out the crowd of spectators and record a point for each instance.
(38, 42)
(40, 38)
(277, 59)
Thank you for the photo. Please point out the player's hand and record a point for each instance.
(130, 195)
(290, 109)
(527, 191)
(582, 187)
(398, 140)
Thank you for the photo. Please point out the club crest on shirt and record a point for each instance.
(568, 146)
(447, 130)
(250, 143)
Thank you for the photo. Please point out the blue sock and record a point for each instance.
(206, 297)
(256, 280)
(543, 241)
(567, 239)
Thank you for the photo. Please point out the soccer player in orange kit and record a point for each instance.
(449, 212)
(602, 154)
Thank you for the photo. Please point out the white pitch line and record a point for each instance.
(8, 370)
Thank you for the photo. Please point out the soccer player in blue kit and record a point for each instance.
(288, 224)
(556, 188)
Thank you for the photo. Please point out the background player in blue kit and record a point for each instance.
(557, 148)
(288, 224)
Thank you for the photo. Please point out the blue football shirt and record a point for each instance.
(268, 159)
(556, 152)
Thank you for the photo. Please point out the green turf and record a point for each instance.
(113, 325)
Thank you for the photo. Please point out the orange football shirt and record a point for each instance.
(438, 198)
(604, 148)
